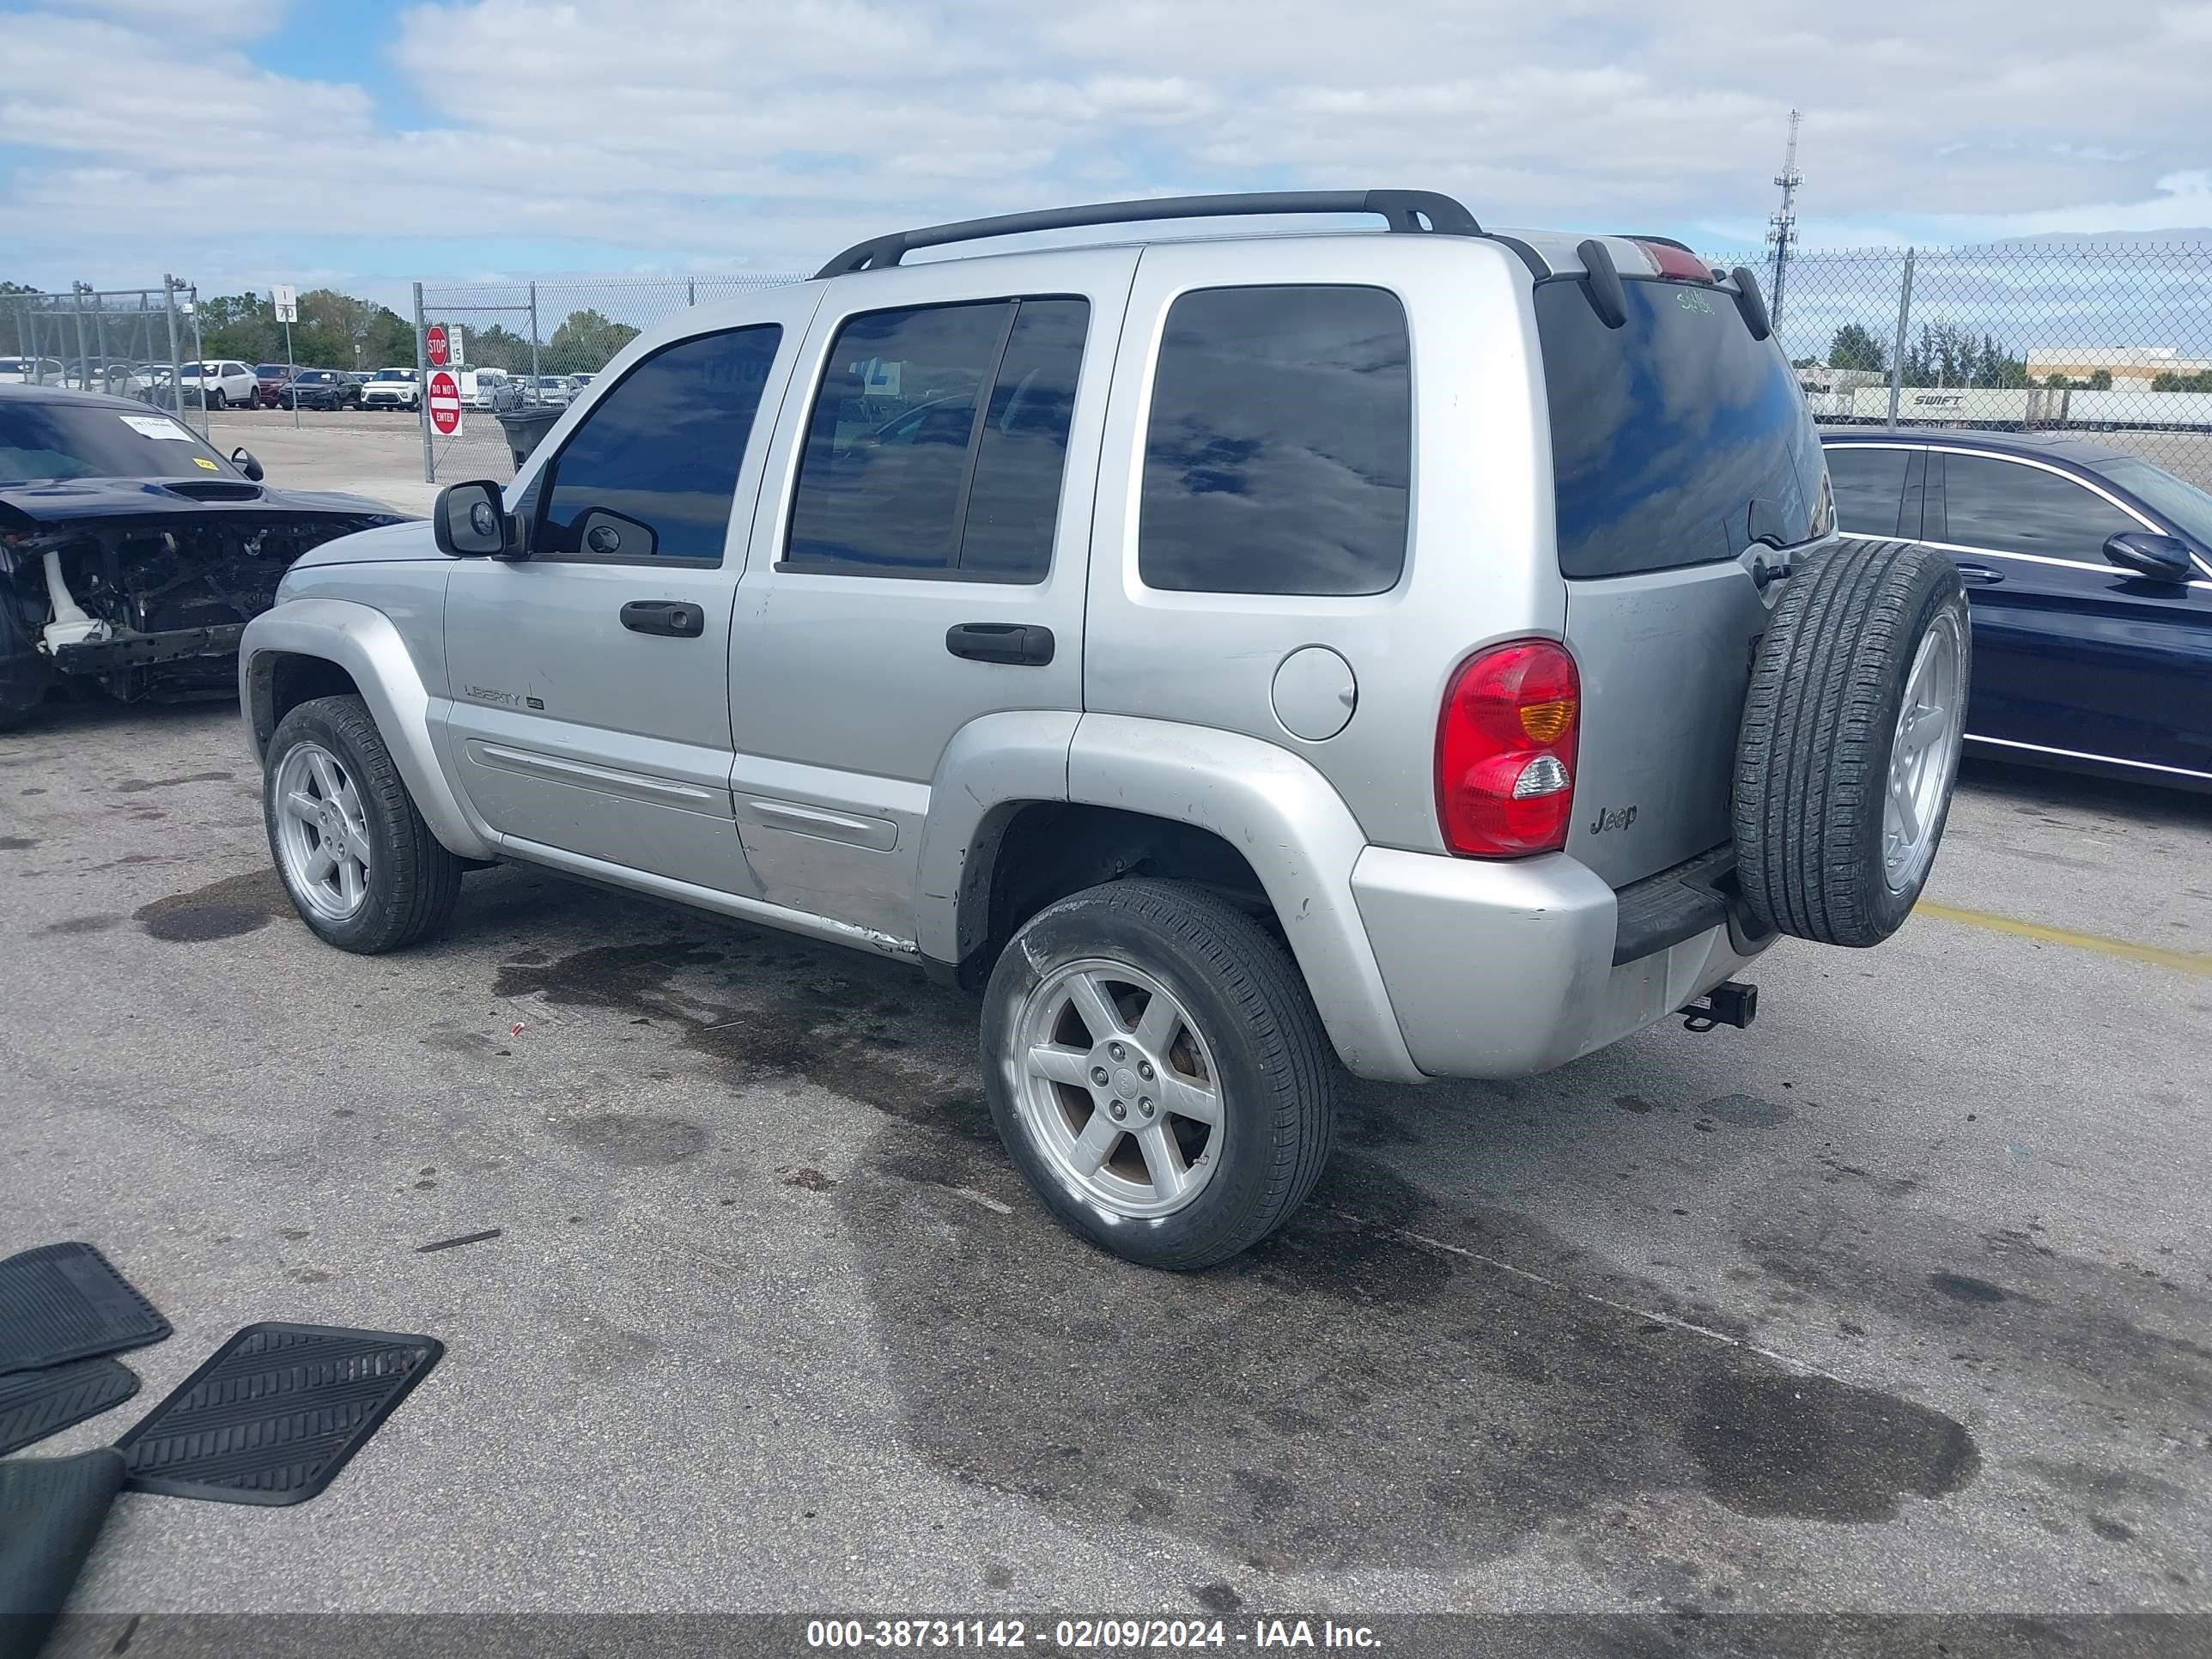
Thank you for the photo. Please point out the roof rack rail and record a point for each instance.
(1664, 242)
(1405, 209)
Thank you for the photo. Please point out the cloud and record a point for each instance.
(770, 132)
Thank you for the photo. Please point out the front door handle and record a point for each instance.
(1015, 642)
(1980, 575)
(670, 616)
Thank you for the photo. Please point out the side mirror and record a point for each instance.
(242, 459)
(2163, 558)
(470, 521)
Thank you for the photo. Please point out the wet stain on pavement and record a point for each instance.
(816, 1018)
(17, 844)
(140, 786)
(73, 924)
(221, 909)
(1345, 1394)
(1809, 1449)
(631, 1142)
(1962, 1287)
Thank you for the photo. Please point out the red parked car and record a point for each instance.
(270, 383)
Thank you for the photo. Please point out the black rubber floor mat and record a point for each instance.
(52, 1509)
(273, 1417)
(35, 1404)
(62, 1302)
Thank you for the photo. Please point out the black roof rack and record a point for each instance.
(1404, 209)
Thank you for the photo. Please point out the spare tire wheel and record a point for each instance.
(1850, 744)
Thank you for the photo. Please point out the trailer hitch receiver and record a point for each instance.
(1727, 1003)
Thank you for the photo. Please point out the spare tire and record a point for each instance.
(1850, 743)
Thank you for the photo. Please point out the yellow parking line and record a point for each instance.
(2186, 962)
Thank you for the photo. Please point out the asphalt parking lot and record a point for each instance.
(1902, 1300)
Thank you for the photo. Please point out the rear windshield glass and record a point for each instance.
(1676, 439)
(79, 440)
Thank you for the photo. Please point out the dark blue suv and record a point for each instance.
(2089, 572)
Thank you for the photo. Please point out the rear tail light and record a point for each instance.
(1505, 751)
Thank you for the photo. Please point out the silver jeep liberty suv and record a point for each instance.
(1424, 652)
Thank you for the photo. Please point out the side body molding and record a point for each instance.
(362, 640)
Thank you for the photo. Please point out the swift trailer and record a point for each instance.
(2018, 408)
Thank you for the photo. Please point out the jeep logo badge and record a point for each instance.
(1615, 818)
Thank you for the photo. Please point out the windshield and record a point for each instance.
(269, 371)
(2177, 501)
(395, 373)
(1676, 439)
(40, 440)
(316, 375)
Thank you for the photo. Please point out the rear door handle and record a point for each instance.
(1980, 575)
(670, 616)
(1015, 642)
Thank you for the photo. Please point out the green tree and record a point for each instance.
(498, 346)
(11, 318)
(336, 330)
(2100, 380)
(1855, 347)
(2056, 382)
(2170, 382)
(242, 325)
(583, 343)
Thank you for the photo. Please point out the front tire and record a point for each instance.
(215, 401)
(358, 862)
(1157, 1072)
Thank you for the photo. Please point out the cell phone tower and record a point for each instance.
(1782, 229)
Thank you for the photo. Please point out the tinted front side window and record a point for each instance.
(905, 474)
(1280, 445)
(2023, 509)
(662, 452)
(1676, 439)
(1869, 485)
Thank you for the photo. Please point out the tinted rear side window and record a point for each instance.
(1869, 485)
(662, 450)
(1280, 445)
(1676, 439)
(903, 475)
(2015, 508)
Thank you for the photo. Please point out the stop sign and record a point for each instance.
(434, 343)
(445, 402)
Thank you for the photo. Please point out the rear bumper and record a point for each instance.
(1502, 969)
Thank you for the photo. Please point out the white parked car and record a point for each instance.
(493, 389)
(549, 391)
(218, 383)
(392, 388)
(45, 371)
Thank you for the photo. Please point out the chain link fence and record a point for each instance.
(2110, 341)
(124, 341)
(520, 347)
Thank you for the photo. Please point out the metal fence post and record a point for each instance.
(1897, 359)
(422, 392)
(537, 392)
(77, 291)
(176, 368)
(199, 351)
(692, 291)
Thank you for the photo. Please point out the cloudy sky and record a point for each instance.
(243, 142)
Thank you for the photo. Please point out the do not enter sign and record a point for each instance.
(433, 344)
(444, 399)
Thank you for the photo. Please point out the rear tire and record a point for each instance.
(410, 883)
(1850, 743)
(1226, 1095)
